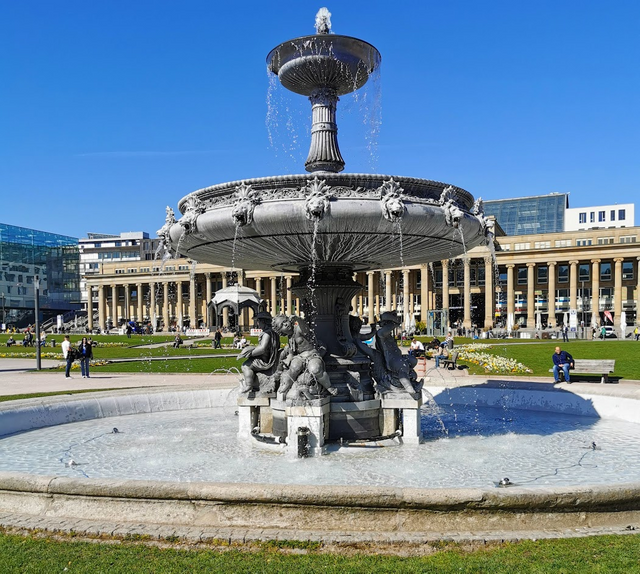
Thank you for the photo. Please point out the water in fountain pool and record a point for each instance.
(464, 447)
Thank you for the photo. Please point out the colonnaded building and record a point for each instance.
(550, 263)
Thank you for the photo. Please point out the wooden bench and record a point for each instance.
(593, 366)
(451, 362)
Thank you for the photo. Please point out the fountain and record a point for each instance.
(165, 461)
(325, 226)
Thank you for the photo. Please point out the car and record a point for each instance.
(610, 332)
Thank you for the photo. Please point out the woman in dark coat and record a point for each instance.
(85, 353)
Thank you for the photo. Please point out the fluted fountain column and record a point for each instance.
(324, 153)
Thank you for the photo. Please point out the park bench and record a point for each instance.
(593, 366)
(451, 362)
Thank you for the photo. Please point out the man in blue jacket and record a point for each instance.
(561, 360)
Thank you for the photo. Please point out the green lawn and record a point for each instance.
(532, 353)
(600, 554)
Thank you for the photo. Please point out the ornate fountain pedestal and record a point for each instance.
(253, 413)
(307, 427)
(405, 410)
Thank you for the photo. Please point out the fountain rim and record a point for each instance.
(340, 37)
(352, 178)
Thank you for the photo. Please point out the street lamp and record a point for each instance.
(4, 316)
(36, 285)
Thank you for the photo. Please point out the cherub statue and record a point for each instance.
(303, 371)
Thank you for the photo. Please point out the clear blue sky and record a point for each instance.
(112, 109)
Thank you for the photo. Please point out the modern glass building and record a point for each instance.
(529, 215)
(27, 253)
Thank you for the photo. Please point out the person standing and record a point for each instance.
(85, 351)
(562, 361)
(67, 353)
(565, 334)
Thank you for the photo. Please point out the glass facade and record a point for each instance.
(528, 215)
(25, 253)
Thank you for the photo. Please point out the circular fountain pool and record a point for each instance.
(465, 447)
(176, 461)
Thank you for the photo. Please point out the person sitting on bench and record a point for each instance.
(443, 353)
(562, 361)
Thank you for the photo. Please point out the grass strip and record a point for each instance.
(598, 554)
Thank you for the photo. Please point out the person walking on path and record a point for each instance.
(562, 361)
(67, 353)
(85, 351)
(636, 333)
(217, 338)
(565, 334)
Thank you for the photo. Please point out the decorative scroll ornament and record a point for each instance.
(391, 200)
(245, 202)
(478, 207)
(169, 222)
(193, 208)
(452, 213)
(318, 196)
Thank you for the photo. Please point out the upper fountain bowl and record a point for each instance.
(309, 63)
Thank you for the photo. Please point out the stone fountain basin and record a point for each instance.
(353, 232)
(339, 62)
(315, 512)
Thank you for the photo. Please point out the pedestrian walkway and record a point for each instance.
(18, 376)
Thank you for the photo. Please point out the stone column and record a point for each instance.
(638, 292)
(387, 290)
(259, 287)
(406, 302)
(193, 313)
(102, 319)
(165, 305)
(209, 296)
(114, 304)
(424, 292)
(511, 299)
(573, 285)
(152, 305)
(90, 307)
(139, 302)
(531, 296)
(617, 292)
(127, 302)
(489, 306)
(370, 297)
(179, 304)
(551, 295)
(274, 296)
(225, 311)
(289, 296)
(466, 319)
(445, 284)
(595, 292)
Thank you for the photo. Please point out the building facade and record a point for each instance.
(617, 215)
(99, 248)
(530, 215)
(54, 259)
(532, 280)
